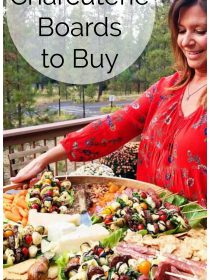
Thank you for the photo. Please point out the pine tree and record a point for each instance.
(19, 96)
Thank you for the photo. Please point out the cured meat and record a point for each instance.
(176, 271)
(162, 268)
(189, 266)
(137, 248)
(135, 255)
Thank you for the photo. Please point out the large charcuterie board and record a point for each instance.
(130, 238)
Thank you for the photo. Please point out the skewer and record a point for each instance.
(171, 195)
(159, 191)
(164, 194)
(192, 202)
(163, 191)
(194, 211)
(180, 276)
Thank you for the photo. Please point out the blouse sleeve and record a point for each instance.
(104, 136)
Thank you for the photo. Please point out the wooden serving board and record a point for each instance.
(134, 184)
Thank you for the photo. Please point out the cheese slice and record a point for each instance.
(61, 230)
(46, 219)
(72, 242)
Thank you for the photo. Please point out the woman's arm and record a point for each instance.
(98, 138)
(38, 164)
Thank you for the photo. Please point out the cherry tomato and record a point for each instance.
(163, 217)
(98, 250)
(109, 216)
(28, 239)
(144, 267)
(161, 212)
(49, 193)
(54, 208)
(143, 195)
(35, 206)
(144, 205)
(140, 227)
(108, 219)
(25, 251)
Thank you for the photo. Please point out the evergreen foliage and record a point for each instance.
(21, 80)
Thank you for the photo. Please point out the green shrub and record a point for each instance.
(90, 91)
(109, 109)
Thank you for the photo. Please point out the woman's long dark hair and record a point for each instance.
(186, 72)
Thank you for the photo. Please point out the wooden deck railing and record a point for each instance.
(21, 139)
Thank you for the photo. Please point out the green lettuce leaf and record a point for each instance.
(61, 262)
(176, 199)
(143, 232)
(194, 214)
(71, 198)
(96, 219)
(113, 238)
(162, 195)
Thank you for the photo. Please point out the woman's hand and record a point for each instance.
(29, 171)
(38, 164)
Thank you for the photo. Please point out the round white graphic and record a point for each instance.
(80, 41)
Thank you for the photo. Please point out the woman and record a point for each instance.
(170, 116)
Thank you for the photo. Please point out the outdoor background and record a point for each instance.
(31, 98)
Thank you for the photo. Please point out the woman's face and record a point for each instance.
(192, 36)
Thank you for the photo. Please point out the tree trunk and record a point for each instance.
(19, 115)
(138, 86)
(18, 88)
(125, 90)
(100, 90)
(65, 87)
(80, 93)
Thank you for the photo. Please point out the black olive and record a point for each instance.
(117, 259)
(12, 242)
(169, 225)
(94, 271)
(73, 264)
(148, 216)
(15, 228)
(110, 251)
(18, 255)
(128, 217)
(48, 198)
(57, 203)
(126, 258)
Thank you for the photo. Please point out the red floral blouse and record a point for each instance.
(172, 151)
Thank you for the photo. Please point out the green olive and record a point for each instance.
(120, 222)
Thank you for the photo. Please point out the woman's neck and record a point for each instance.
(199, 77)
